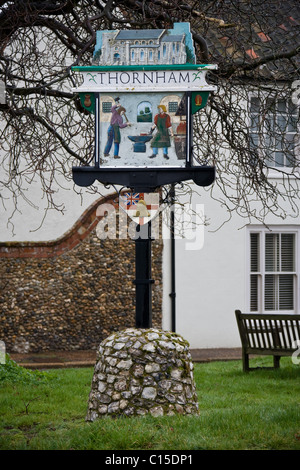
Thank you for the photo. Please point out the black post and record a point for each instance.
(143, 281)
(173, 282)
(97, 130)
(189, 129)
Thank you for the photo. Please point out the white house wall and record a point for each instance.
(212, 282)
(29, 223)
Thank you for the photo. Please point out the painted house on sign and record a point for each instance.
(144, 47)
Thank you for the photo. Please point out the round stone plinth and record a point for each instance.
(141, 371)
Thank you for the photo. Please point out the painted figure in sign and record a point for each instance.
(113, 132)
(162, 122)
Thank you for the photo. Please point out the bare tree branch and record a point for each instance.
(45, 130)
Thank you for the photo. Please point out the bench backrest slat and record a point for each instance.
(277, 331)
(288, 334)
(298, 329)
(268, 333)
(252, 333)
(295, 328)
(264, 336)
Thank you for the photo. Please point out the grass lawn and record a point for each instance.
(258, 410)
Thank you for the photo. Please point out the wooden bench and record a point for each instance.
(266, 334)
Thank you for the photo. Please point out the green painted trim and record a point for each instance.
(115, 68)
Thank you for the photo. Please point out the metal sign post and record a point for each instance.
(142, 208)
(143, 281)
(143, 88)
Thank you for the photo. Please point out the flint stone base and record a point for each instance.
(142, 371)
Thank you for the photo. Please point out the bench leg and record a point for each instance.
(276, 361)
(245, 362)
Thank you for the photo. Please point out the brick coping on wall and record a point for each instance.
(82, 228)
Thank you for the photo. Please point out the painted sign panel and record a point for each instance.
(142, 129)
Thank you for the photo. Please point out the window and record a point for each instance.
(144, 112)
(173, 106)
(273, 271)
(106, 106)
(273, 125)
(142, 55)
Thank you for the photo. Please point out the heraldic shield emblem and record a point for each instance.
(140, 207)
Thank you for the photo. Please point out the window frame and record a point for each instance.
(262, 272)
(273, 170)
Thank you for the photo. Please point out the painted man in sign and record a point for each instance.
(113, 132)
(162, 122)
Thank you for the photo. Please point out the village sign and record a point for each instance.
(144, 88)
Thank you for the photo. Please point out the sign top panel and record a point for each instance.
(145, 46)
(144, 60)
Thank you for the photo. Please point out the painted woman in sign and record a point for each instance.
(113, 132)
(162, 122)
